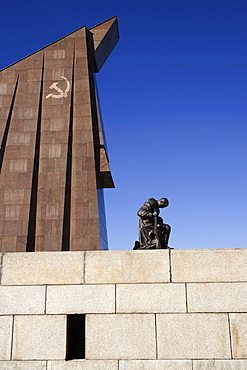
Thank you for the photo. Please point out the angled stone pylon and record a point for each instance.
(53, 158)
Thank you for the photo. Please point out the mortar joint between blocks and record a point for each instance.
(156, 336)
(170, 265)
(186, 297)
(1, 268)
(45, 299)
(84, 268)
(12, 339)
(230, 335)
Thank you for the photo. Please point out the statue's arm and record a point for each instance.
(144, 212)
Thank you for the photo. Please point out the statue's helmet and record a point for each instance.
(153, 202)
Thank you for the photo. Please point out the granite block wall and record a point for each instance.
(144, 310)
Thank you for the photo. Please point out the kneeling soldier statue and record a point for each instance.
(153, 233)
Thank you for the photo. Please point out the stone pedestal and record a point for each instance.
(143, 309)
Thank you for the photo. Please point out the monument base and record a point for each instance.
(127, 310)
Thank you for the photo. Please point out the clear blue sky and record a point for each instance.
(173, 99)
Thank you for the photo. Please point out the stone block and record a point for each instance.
(238, 324)
(23, 365)
(155, 365)
(186, 336)
(150, 298)
(217, 297)
(39, 337)
(6, 323)
(120, 336)
(127, 267)
(22, 300)
(219, 364)
(209, 265)
(83, 365)
(43, 268)
(80, 299)
(15, 196)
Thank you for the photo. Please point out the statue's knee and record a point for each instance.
(167, 228)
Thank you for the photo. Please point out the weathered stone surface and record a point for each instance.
(80, 299)
(127, 267)
(128, 335)
(22, 300)
(23, 365)
(217, 297)
(209, 265)
(187, 336)
(155, 365)
(219, 364)
(6, 323)
(39, 337)
(150, 298)
(238, 324)
(120, 336)
(83, 364)
(43, 268)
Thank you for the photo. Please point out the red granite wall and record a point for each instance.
(52, 158)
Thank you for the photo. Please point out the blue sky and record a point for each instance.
(173, 100)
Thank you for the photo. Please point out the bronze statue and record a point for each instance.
(153, 233)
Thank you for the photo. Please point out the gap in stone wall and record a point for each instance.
(75, 337)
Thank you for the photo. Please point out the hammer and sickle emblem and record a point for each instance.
(62, 94)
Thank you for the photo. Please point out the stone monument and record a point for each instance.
(84, 308)
(53, 158)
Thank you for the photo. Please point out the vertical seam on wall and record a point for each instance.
(115, 298)
(156, 339)
(186, 297)
(12, 338)
(230, 336)
(45, 299)
(6, 131)
(31, 234)
(94, 114)
(1, 268)
(192, 364)
(84, 268)
(170, 265)
(67, 193)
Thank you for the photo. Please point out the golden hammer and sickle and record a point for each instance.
(62, 94)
